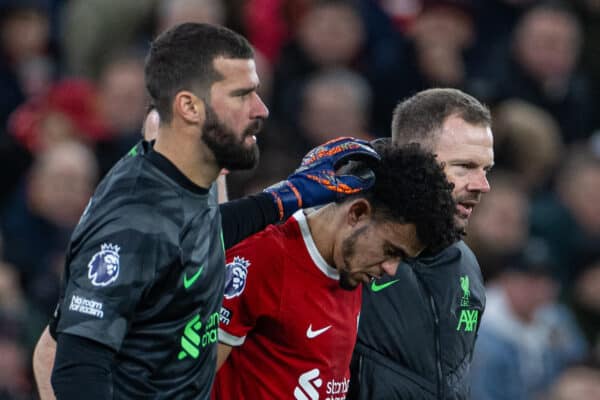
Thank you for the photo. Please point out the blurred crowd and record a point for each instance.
(73, 102)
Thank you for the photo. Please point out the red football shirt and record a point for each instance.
(292, 327)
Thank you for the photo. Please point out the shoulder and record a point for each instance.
(134, 191)
(457, 255)
(458, 262)
(467, 257)
(260, 255)
(264, 246)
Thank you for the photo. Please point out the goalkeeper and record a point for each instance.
(144, 272)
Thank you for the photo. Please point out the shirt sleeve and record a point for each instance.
(253, 277)
(243, 217)
(81, 364)
(105, 277)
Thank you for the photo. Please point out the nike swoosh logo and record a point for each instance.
(376, 288)
(189, 282)
(313, 334)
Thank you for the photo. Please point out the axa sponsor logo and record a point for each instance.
(468, 320)
(310, 382)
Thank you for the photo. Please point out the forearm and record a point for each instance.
(82, 364)
(244, 217)
(43, 360)
(223, 352)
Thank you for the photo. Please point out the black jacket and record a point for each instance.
(416, 335)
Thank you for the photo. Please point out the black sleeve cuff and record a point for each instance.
(80, 365)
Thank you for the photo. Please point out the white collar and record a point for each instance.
(317, 258)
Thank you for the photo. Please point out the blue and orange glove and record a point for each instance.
(315, 182)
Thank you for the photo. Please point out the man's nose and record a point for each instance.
(259, 109)
(479, 183)
(390, 266)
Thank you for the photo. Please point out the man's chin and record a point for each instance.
(242, 160)
(461, 222)
(347, 283)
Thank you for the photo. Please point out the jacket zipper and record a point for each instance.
(436, 320)
(438, 350)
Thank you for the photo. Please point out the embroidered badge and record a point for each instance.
(235, 277)
(468, 318)
(103, 268)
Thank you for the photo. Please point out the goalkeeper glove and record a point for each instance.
(315, 182)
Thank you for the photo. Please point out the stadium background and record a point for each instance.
(72, 101)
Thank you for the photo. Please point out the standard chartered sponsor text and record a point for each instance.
(336, 390)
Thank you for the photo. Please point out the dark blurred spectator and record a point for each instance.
(15, 381)
(577, 383)
(271, 23)
(330, 34)
(23, 321)
(401, 12)
(12, 299)
(26, 66)
(173, 12)
(499, 225)
(122, 106)
(589, 14)
(433, 51)
(526, 338)
(335, 102)
(527, 142)
(40, 216)
(495, 21)
(542, 68)
(122, 94)
(440, 35)
(584, 299)
(93, 28)
(69, 110)
(569, 218)
(14, 161)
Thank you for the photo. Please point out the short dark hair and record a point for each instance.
(419, 118)
(181, 58)
(411, 187)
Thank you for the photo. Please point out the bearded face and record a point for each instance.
(231, 150)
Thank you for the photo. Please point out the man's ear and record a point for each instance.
(359, 210)
(189, 107)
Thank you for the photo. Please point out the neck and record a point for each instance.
(189, 154)
(322, 228)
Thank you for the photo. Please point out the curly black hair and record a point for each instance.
(411, 187)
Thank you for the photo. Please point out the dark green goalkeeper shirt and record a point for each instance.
(144, 276)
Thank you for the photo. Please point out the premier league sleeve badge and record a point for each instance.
(103, 268)
(235, 277)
